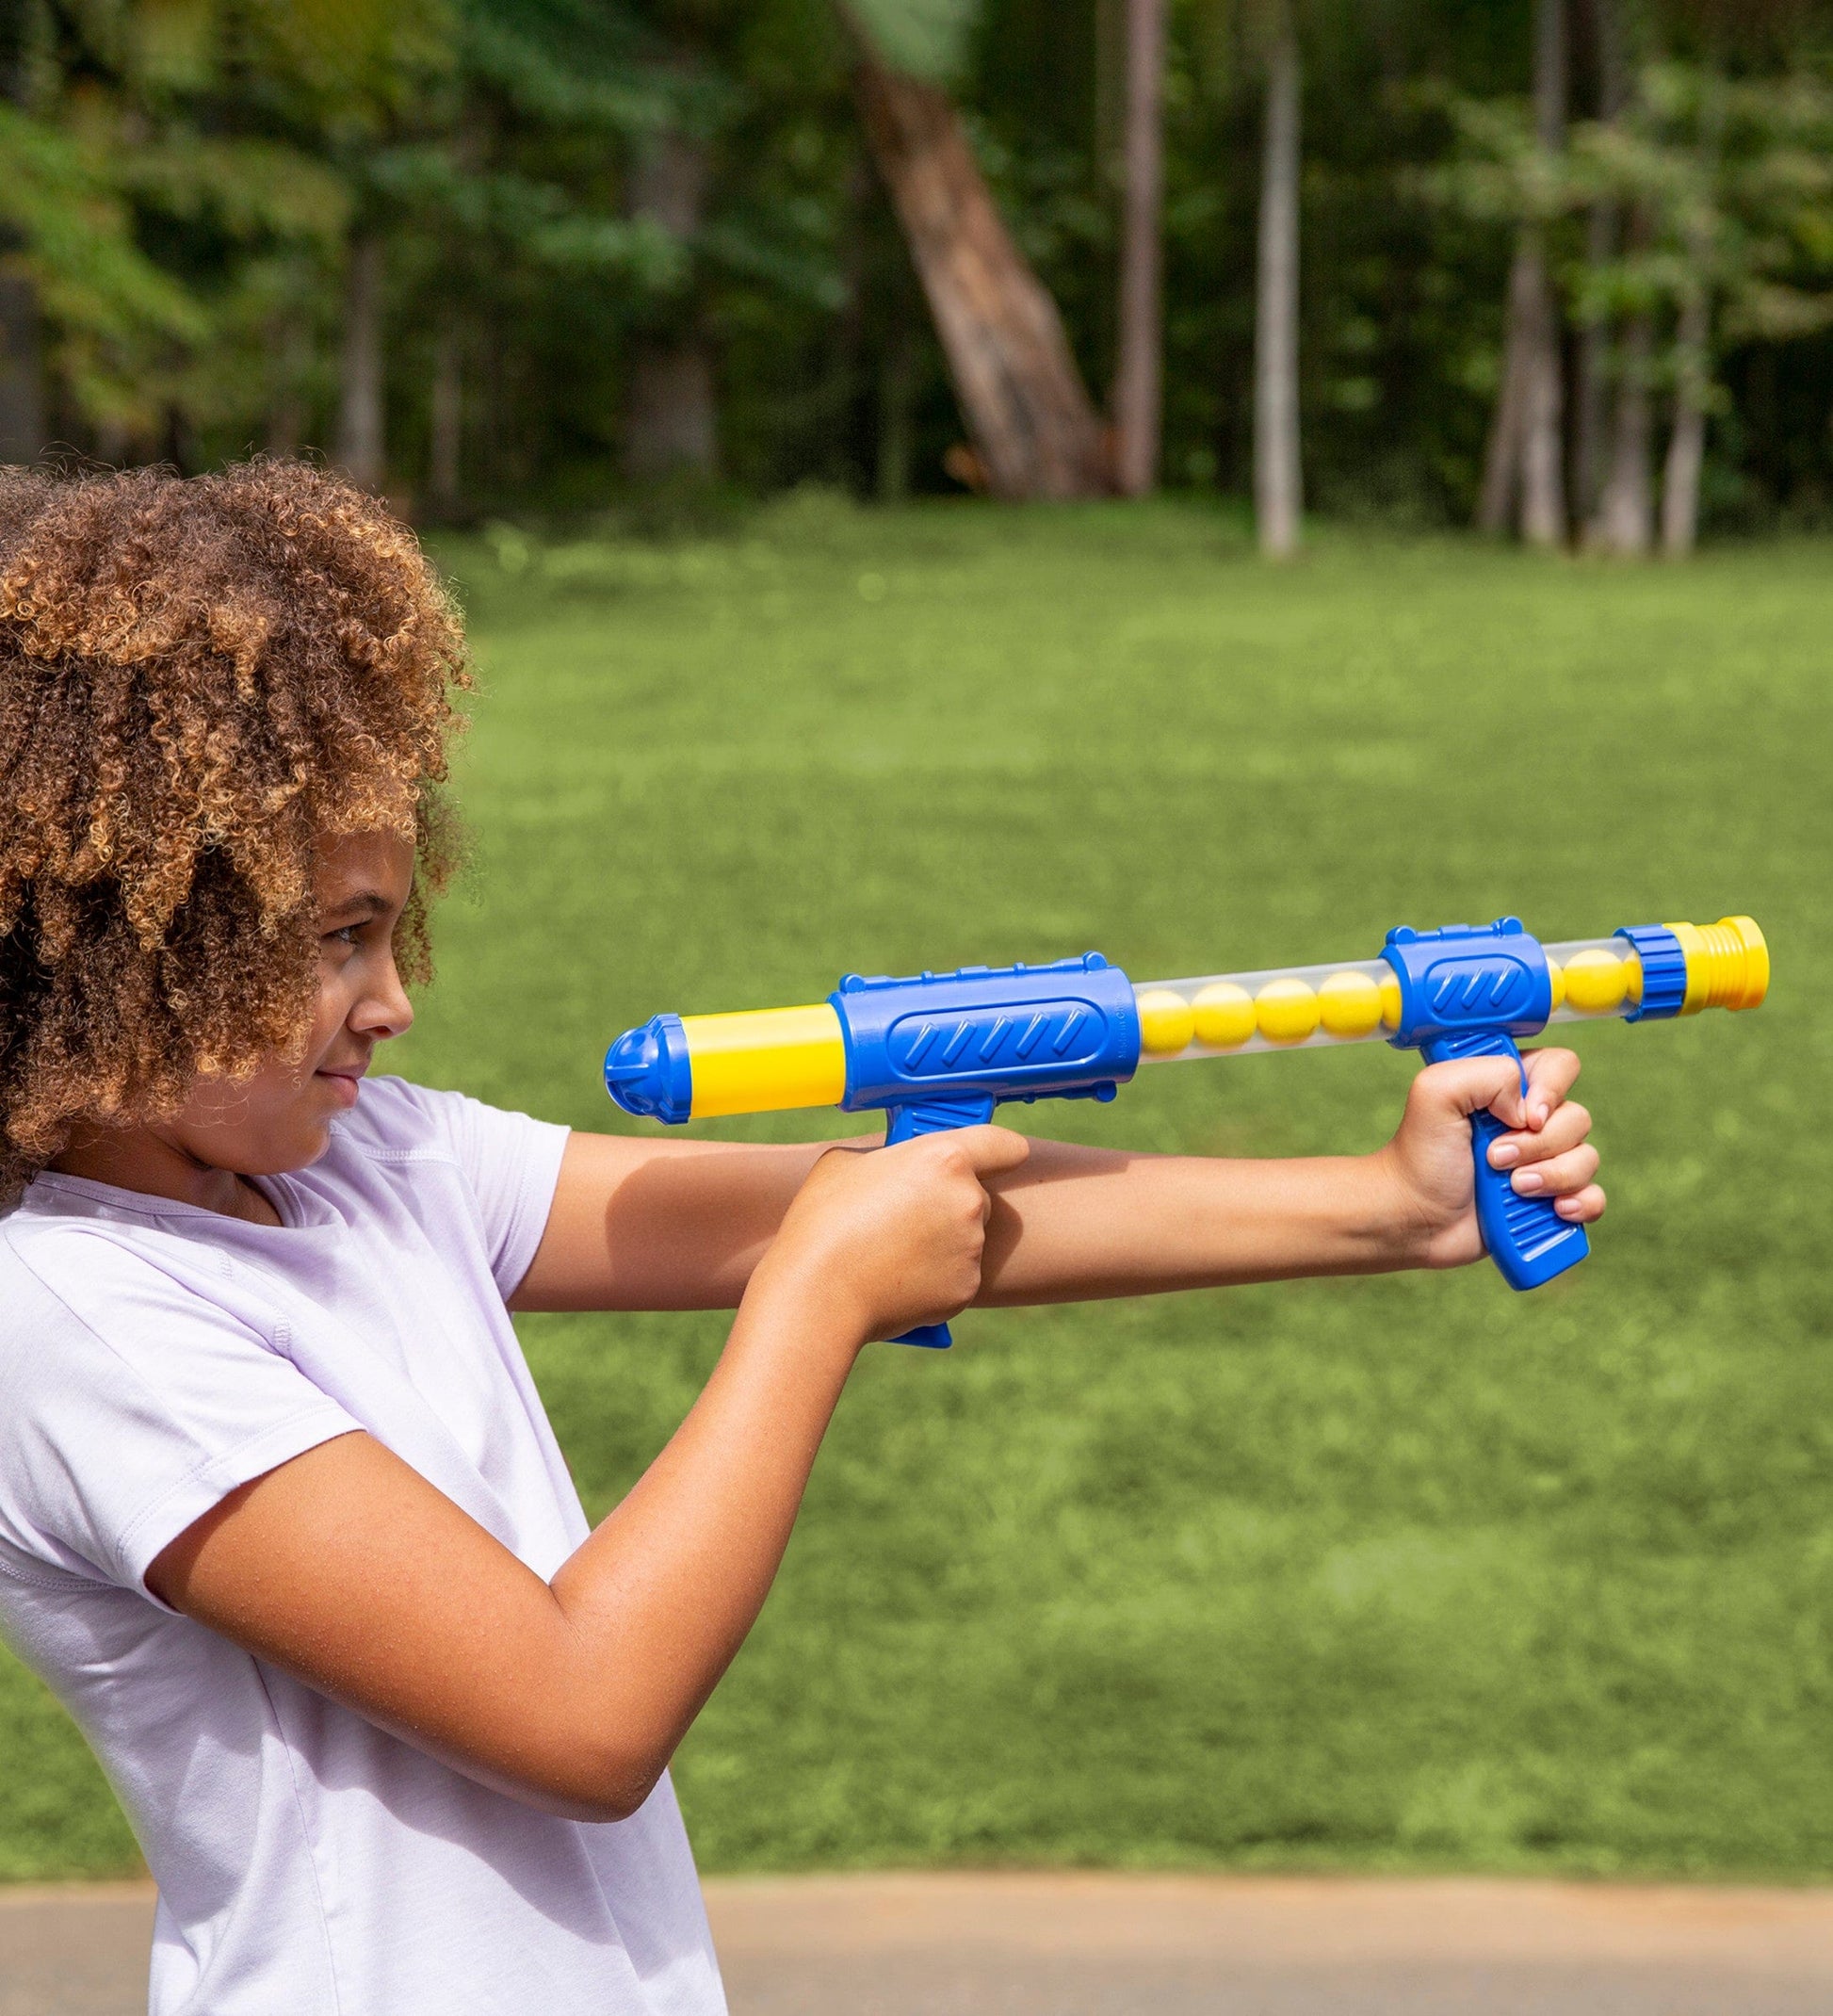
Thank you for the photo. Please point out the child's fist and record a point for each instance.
(1548, 1148)
(894, 1237)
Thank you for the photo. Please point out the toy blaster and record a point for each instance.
(943, 1049)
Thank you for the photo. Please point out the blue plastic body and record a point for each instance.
(943, 1049)
(647, 1071)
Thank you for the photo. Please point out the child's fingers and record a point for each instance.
(1470, 1085)
(1559, 1176)
(1551, 1074)
(1569, 1125)
(1584, 1207)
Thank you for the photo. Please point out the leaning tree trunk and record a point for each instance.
(1525, 454)
(1278, 479)
(361, 449)
(1034, 427)
(671, 406)
(22, 371)
(1139, 385)
(1502, 455)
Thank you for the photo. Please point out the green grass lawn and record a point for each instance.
(1409, 1572)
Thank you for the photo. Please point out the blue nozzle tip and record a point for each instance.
(647, 1071)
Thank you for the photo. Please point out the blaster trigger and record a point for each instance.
(935, 1116)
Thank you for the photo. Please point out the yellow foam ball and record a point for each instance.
(1556, 973)
(1286, 1011)
(1166, 1022)
(1632, 979)
(1348, 1004)
(1595, 981)
(1391, 1002)
(1225, 1015)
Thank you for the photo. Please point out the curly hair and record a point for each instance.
(200, 680)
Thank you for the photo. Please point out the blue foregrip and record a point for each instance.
(1527, 1237)
(932, 1116)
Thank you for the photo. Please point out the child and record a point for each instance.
(280, 1517)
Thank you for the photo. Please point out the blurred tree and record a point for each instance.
(1278, 479)
(1598, 47)
(22, 374)
(1727, 184)
(1138, 390)
(1523, 462)
(1614, 480)
(526, 251)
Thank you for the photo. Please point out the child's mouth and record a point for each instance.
(344, 1084)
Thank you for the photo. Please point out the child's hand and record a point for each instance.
(1429, 1158)
(894, 1237)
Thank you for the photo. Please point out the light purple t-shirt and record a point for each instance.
(153, 1356)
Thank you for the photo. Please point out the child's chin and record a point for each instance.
(298, 1149)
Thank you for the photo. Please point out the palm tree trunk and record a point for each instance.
(1139, 389)
(1034, 427)
(1278, 479)
(359, 424)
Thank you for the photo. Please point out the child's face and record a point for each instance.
(279, 1119)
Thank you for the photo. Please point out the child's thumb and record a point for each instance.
(992, 1150)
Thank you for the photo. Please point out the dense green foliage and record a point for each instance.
(1398, 1572)
(183, 178)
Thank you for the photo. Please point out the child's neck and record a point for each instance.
(146, 1160)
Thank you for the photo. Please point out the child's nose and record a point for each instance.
(386, 1011)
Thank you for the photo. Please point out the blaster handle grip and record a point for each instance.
(932, 1116)
(1527, 1237)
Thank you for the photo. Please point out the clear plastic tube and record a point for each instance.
(1357, 1000)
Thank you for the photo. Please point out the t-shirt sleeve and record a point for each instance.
(511, 1163)
(134, 1404)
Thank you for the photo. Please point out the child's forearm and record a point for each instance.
(1076, 1223)
(662, 1595)
(681, 1225)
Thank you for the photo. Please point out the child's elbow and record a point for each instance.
(594, 1783)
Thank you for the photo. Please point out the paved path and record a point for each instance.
(1114, 1945)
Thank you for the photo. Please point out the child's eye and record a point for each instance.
(345, 934)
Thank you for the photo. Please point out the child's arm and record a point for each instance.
(349, 1571)
(681, 1225)
(346, 1569)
